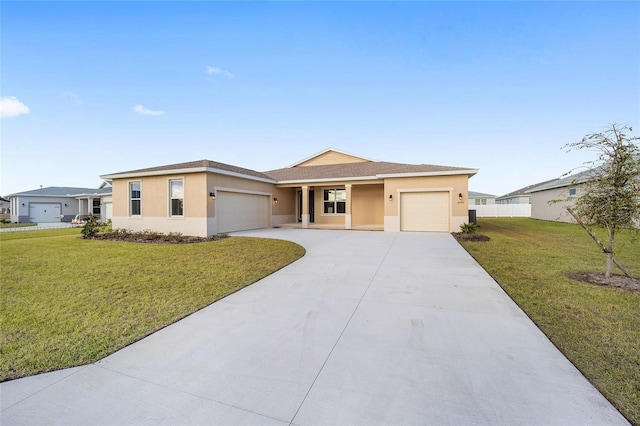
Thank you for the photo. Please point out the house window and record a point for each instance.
(135, 197)
(572, 192)
(477, 201)
(334, 201)
(176, 187)
(96, 208)
(484, 201)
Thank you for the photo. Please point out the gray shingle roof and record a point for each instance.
(566, 181)
(473, 194)
(523, 191)
(195, 165)
(355, 170)
(63, 191)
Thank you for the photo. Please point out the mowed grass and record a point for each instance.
(597, 328)
(65, 301)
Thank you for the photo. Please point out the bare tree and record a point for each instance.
(611, 196)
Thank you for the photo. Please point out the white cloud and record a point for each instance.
(216, 70)
(146, 111)
(73, 97)
(12, 107)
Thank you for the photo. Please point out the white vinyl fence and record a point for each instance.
(502, 210)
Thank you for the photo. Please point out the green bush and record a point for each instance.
(91, 227)
(468, 228)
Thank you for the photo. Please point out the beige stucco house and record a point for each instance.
(331, 189)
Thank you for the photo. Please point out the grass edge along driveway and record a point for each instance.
(597, 328)
(65, 301)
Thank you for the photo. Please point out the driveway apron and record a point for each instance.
(367, 328)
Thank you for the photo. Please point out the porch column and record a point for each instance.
(305, 207)
(89, 205)
(347, 216)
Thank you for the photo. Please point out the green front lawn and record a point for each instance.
(597, 328)
(65, 301)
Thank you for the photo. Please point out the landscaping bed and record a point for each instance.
(154, 237)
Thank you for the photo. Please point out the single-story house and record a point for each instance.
(60, 204)
(481, 199)
(331, 189)
(565, 189)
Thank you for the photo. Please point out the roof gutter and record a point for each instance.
(469, 172)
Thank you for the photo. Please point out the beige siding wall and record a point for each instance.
(331, 157)
(155, 195)
(155, 205)
(455, 184)
(119, 191)
(367, 204)
(541, 209)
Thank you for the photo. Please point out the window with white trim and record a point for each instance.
(176, 189)
(96, 207)
(334, 201)
(135, 199)
(572, 192)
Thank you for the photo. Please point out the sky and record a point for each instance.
(90, 88)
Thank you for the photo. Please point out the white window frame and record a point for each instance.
(132, 199)
(334, 202)
(171, 198)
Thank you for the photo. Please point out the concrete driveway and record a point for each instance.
(368, 328)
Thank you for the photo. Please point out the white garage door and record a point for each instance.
(44, 212)
(237, 211)
(424, 211)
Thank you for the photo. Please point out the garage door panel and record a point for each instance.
(239, 211)
(44, 212)
(424, 211)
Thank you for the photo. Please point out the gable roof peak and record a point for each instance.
(358, 158)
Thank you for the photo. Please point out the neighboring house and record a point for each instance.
(60, 204)
(4, 205)
(480, 199)
(543, 196)
(331, 189)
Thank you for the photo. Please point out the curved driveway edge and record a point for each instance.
(367, 328)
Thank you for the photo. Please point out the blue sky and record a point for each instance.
(91, 88)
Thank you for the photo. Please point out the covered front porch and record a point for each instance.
(96, 205)
(342, 205)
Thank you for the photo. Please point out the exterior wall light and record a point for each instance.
(390, 197)
(460, 196)
(275, 200)
(212, 195)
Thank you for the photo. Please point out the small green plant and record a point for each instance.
(468, 228)
(91, 227)
(5, 221)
